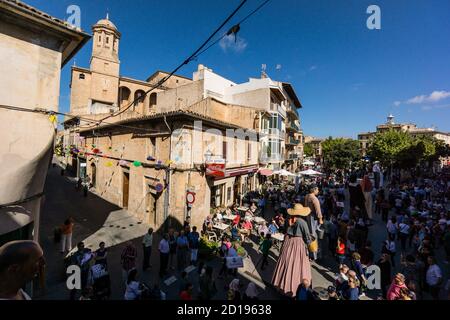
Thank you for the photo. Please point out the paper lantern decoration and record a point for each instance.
(159, 187)
(168, 162)
(137, 163)
(150, 158)
(123, 163)
(52, 118)
(96, 150)
(109, 164)
(93, 146)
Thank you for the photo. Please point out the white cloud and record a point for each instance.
(312, 68)
(438, 95)
(435, 96)
(433, 107)
(230, 43)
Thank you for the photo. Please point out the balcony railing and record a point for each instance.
(273, 132)
(292, 141)
(291, 156)
(292, 126)
(293, 111)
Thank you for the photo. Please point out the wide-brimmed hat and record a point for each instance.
(299, 210)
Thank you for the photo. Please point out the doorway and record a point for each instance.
(152, 204)
(126, 189)
(94, 175)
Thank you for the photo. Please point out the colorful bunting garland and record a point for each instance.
(137, 164)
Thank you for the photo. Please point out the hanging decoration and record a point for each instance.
(137, 163)
(52, 118)
(109, 164)
(159, 187)
(150, 158)
(168, 162)
(123, 163)
(96, 150)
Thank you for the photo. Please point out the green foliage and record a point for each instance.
(308, 150)
(400, 149)
(387, 146)
(206, 248)
(339, 153)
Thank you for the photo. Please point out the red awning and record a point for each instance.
(265, 172)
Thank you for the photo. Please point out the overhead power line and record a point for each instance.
(186, 61)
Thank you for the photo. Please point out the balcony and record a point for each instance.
(273, 132)
(291, 141)
(278, 108)
(292, 110)
(292, 156)
(292, 126)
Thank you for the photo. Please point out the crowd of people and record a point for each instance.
(328, 218)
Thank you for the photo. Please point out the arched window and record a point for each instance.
(139, 97)
(124, 96)
(153, 99)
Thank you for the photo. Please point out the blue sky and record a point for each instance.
(347, 76)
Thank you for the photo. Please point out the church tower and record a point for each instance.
(105, 64)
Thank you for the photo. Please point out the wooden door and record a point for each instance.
(126, 188)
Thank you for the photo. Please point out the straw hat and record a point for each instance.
(299, 210)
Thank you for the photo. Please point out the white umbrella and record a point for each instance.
(283, 172)
(308, 163)
(310, 172)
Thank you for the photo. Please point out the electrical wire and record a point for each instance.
(50, 112)
(230, 31)
(189, 59)
(193, 56)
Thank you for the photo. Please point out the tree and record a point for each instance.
(388, 146)
(339, 153)
(308, 150)
(400, 149)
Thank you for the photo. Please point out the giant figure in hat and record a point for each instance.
(293, 264)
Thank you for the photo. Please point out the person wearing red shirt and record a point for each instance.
(187, 293)
(340, 250)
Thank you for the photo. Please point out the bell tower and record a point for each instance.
(105, 62)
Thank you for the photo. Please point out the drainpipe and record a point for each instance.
(167, 193)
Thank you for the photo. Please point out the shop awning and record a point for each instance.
(240, 171)
(265, 172)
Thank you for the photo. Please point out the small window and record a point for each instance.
(229, 194)
(177, 80)
(81, 76)
(249, 151)
(99, 38)
(107, 40)
(224, 150)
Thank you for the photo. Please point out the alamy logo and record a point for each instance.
(374, 20)
(74, 277)
(373, 274)
(75, 15)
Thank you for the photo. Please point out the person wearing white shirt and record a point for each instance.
(133, 290)
(434, 278)
(404, 233)
(147, 242)
(392, 228)
(164, 251)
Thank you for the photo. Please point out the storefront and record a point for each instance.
(221, 192)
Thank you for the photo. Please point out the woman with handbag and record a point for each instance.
(293, 264)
